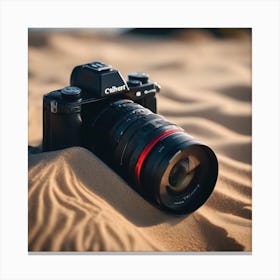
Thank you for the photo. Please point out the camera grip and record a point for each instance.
(61, 129)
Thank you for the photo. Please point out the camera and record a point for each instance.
(117, 120)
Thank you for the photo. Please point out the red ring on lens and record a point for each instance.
(148, 148)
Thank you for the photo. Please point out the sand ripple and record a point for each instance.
(64, 214)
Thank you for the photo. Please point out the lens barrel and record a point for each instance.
(156, 157)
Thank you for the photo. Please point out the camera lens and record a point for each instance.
(156, 157)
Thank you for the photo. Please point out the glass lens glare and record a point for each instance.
(182, 173)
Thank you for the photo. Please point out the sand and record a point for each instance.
(76, 203)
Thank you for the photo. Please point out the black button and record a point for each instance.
(134, 83)
(71, 93)
(142, 77)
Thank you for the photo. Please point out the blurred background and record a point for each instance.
(205, 76)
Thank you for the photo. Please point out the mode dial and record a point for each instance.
(71, 93)
(142, 77)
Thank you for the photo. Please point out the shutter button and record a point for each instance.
(142, 77)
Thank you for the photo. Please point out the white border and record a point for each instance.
(17, 16)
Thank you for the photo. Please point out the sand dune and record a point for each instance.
(76, 203)
(83, 214)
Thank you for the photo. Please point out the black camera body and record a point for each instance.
(117, 121)
(67, 111)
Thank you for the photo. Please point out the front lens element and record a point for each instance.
(182, 173)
